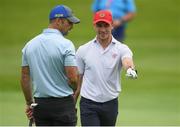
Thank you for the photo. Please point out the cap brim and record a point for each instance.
(74, 19)
(102, 20)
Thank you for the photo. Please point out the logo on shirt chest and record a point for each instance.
(114, 55)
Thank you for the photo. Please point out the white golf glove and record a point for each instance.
(131, 73)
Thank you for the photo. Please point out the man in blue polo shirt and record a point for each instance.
(48, 62)
(122, 10)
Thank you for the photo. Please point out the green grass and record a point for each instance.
(154, 37)
(12, 109)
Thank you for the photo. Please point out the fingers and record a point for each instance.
(131, 73)
(75, 98)
(29, 112)
(116, 23)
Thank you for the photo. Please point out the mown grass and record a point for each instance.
(154, 36)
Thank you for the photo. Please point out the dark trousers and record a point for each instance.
(98, 114)
(119, 33)
(55, 112)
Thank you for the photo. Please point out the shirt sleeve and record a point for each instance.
(80, 62)
(130, 5)
(70, 59)
(24, 58)
(95, 5)
(126, 52)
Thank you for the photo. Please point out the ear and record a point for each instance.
(112, 26)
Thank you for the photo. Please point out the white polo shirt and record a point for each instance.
(101, 69)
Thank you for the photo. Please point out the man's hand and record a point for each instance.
(131, 73)
(29, 112)
(117, 23)
(75, 96)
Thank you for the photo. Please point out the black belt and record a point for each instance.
(53, 98)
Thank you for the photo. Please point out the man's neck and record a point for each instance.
(53, 26)
(104, 43)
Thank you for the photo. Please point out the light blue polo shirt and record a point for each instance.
(101, 69)
(119, 8)
(46, 55)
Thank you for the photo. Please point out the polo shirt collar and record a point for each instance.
(50, 30)
(114, 41)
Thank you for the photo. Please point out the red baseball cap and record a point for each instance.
(104, 16)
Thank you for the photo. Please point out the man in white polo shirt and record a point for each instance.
(100, 62)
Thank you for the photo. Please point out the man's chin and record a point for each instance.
(104, 37)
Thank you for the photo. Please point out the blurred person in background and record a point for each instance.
(123, 11)
(48, 62)
(100, 62)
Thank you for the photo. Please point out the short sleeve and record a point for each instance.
(70, 59)
(80, 62)
(24, 58)
(130, 5)
(126, 52)
(95, 6)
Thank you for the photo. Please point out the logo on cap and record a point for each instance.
(101, 15)
(58, 15)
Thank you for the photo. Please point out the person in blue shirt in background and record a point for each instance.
(123, 11)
